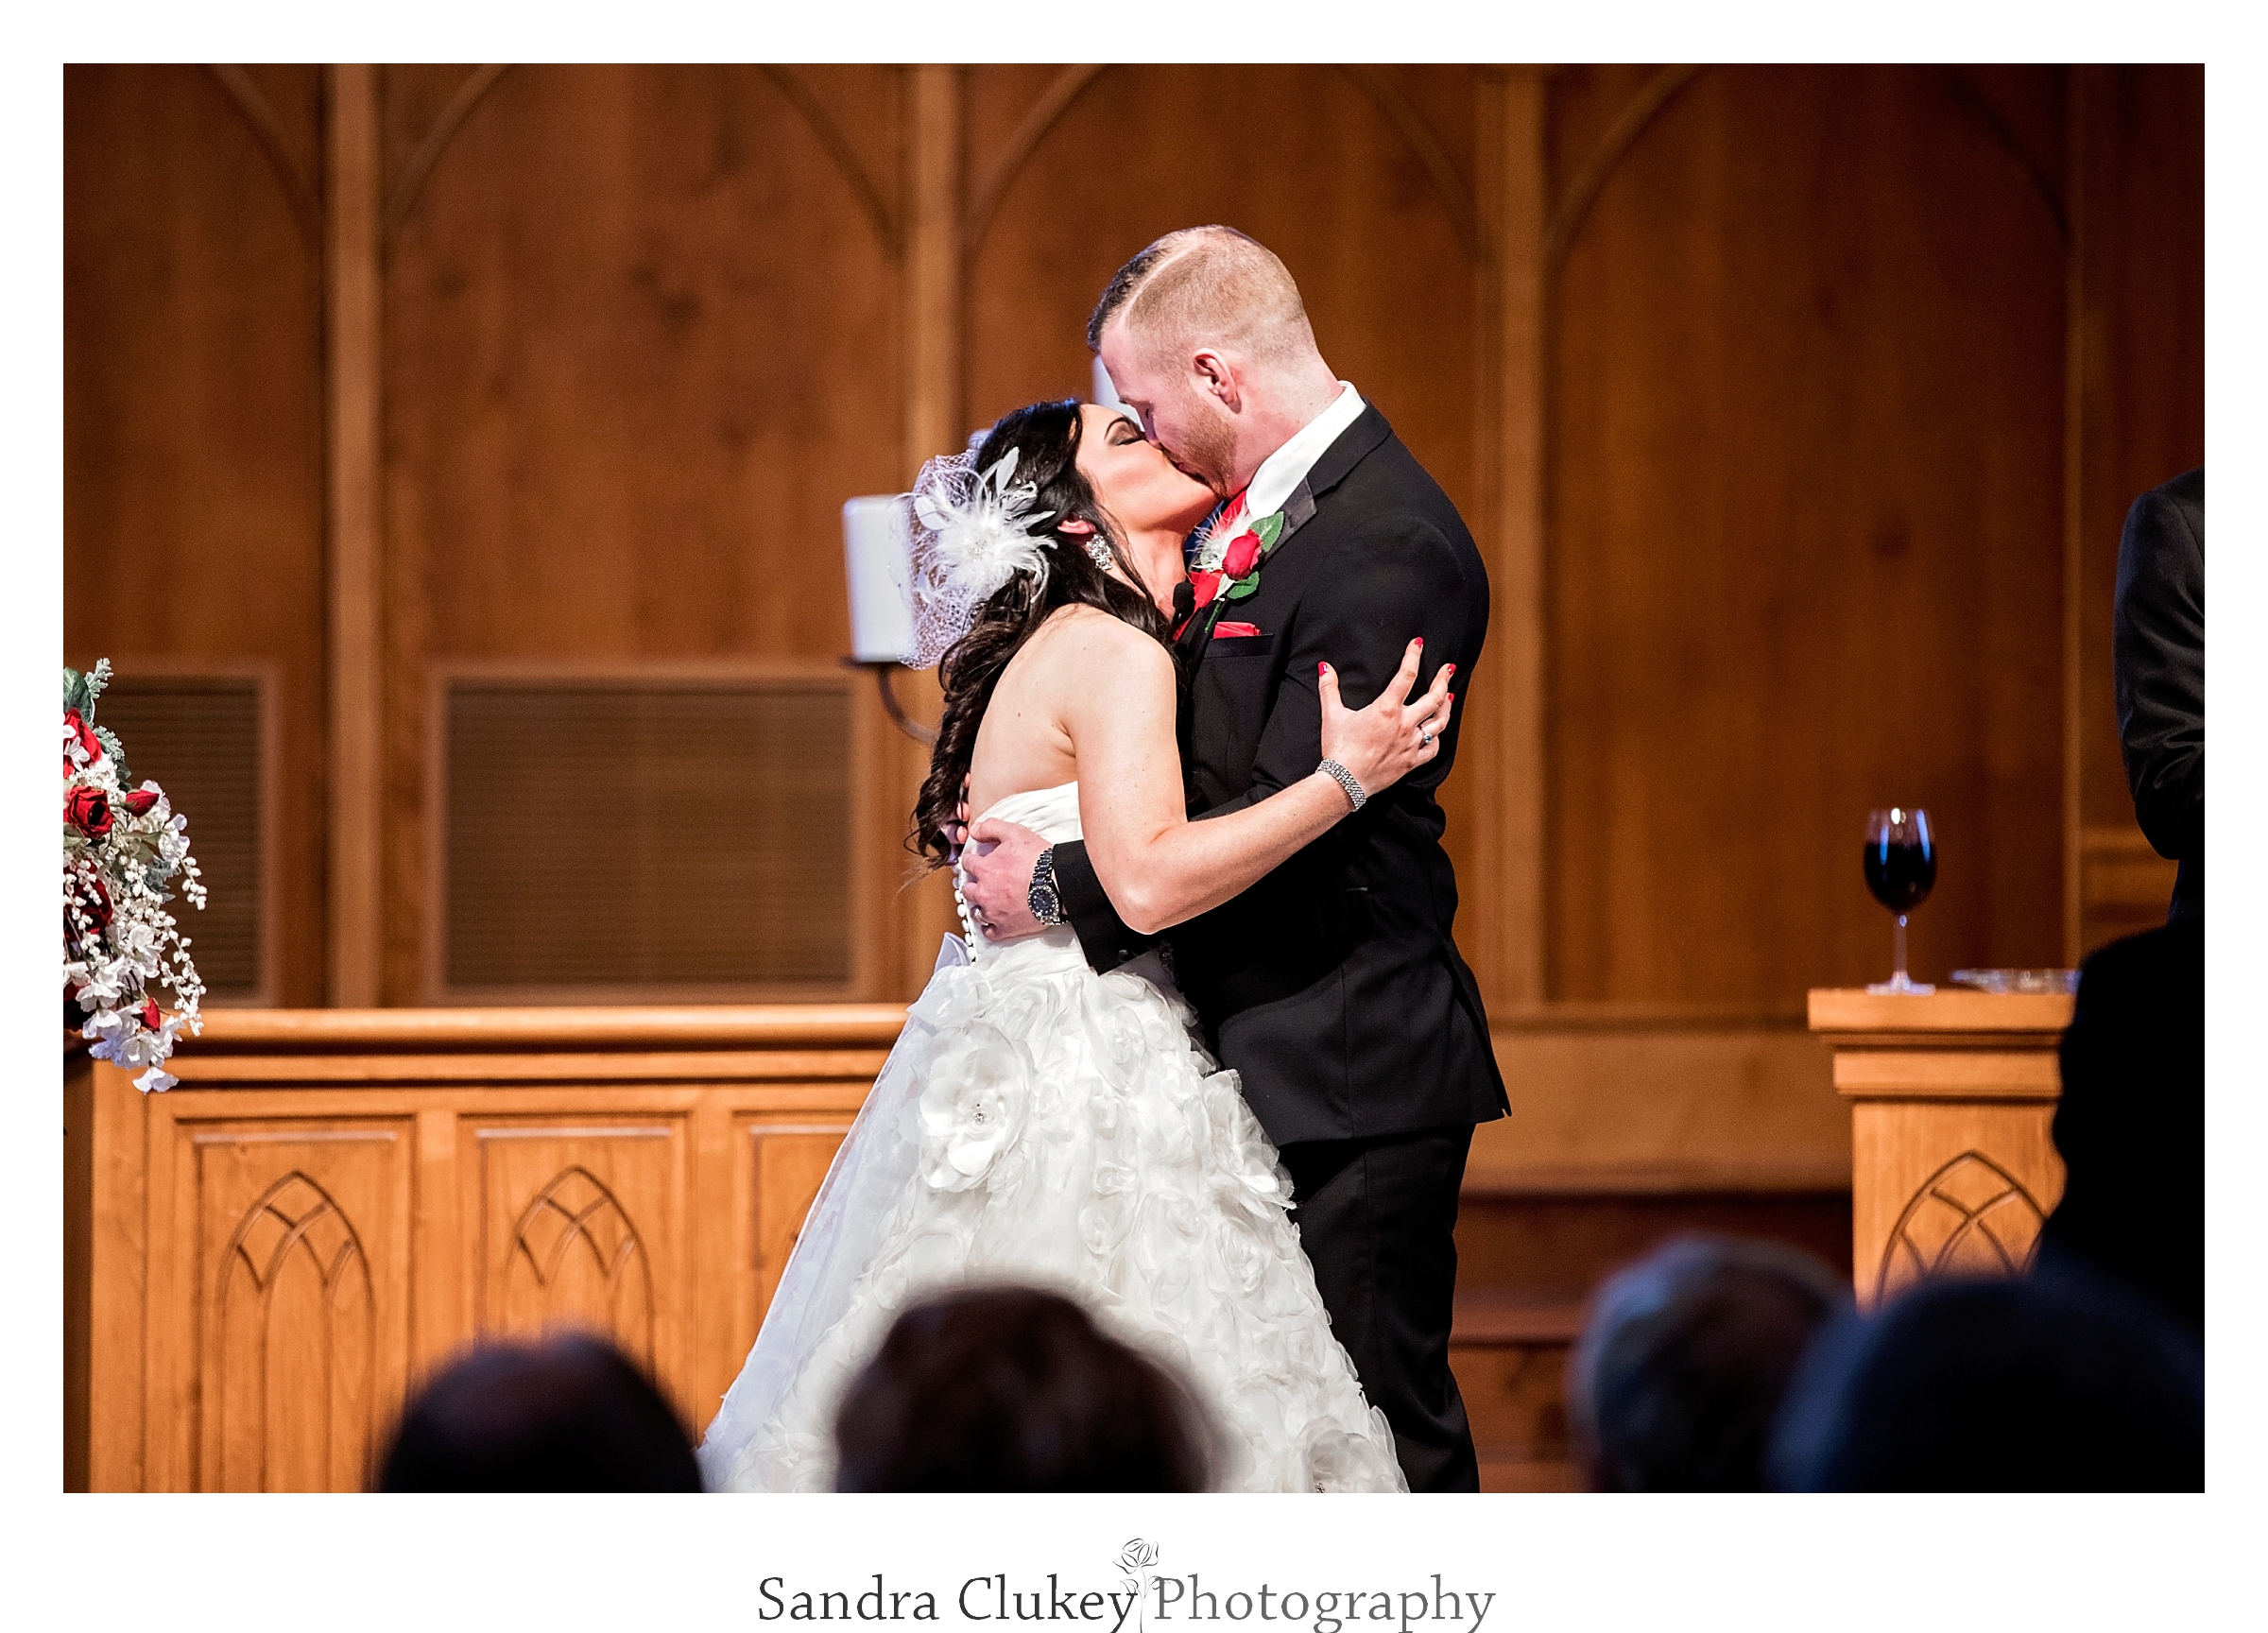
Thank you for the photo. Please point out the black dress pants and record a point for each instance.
(1378, 1219)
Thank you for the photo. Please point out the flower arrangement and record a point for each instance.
(122, 845)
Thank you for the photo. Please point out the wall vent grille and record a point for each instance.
(648, 837)
(199, 738)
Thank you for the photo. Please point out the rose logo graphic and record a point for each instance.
(1134, 1562)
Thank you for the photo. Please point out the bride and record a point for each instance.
(1038, 1121)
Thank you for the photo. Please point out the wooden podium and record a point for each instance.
(1951, 1095)
(261, 1263)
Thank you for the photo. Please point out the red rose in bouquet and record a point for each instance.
(87, 740)
(89, 811)
(1242, 555)
(139, 800)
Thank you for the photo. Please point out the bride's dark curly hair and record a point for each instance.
(1046, 439)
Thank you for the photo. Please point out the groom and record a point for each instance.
(1333, 985)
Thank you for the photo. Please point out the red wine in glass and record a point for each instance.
(1901, 867)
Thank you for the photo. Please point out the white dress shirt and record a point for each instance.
(1281, 471)
(1284, 470)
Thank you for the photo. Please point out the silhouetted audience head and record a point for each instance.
(2056, 1383)
(568, 1414)
(2130, 1124)
(1675, 1382)
(1014, 1389)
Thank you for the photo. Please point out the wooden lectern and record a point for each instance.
(1951, 1095)
(261, 1263)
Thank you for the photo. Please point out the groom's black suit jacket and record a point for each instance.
(1331, 986)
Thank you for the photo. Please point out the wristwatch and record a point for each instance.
(1044, 900)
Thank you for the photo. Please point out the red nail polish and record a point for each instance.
(1420, 640)
(1448, 668)
(1322, 668)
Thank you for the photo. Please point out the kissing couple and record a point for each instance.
(1207, 1060)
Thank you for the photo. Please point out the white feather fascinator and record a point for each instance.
(968, 533)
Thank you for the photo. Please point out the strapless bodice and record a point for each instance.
(1051, 813)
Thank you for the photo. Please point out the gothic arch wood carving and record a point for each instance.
(829, 131)
(983, 199)
(401, 199)
(1621, 136)
(1455, 192)
(260, 114)
(1971, 100)
(1972, 1217)
(293, 1347)
(575, 1258)
(1659, 92)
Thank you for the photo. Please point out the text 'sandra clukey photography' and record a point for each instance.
(1136, 1601)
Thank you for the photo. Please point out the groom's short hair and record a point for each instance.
(1206, 283)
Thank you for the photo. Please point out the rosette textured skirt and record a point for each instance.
(1041, 1124)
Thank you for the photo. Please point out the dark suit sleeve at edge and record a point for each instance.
(1104, 937)
(2158, 624)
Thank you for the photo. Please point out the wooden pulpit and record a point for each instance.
(260, 1263)
(1953, 1171)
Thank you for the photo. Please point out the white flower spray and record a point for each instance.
(122, 847)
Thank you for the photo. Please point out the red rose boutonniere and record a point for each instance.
(1238, 573)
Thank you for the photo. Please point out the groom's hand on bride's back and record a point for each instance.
(997, 863)
(990, 885)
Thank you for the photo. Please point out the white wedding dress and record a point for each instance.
(1041, 1124)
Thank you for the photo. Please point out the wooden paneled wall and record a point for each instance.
(193, 410)
(1797, 408)
(2137, 416)
(1806, 409)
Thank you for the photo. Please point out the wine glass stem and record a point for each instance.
(1901, 977)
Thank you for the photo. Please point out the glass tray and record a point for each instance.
(2018, 980)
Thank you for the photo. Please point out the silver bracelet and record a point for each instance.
(1344, 778)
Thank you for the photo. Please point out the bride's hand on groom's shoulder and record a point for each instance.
(1385, 743)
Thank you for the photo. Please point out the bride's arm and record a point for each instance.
(1158, 867)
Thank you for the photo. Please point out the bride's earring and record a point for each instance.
(1098, 550)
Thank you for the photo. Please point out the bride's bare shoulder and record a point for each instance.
(1083, 657)
(1088, 635)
